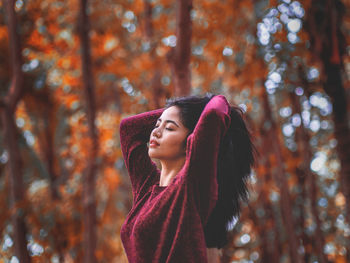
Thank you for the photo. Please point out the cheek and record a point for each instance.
(177, 144)
(178, 140)
(172, 146)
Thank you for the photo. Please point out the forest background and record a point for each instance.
(71, 70)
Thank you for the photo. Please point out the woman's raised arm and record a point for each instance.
(134, 134)
(202, 153)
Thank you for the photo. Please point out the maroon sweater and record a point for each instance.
(165, 223)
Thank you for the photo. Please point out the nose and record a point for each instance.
(156, 132)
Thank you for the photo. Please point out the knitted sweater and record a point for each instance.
(165, 223)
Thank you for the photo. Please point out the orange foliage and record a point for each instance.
(123, 58)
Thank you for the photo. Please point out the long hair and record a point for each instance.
(235, 160)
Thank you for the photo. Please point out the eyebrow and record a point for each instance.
(167, 121)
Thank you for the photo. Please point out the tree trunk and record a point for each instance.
(157, 90)
(285, 202)
(89, 202)
(14, 166)
(341, 127)
(180, 56)
(48, 144)
(310, 180)
(334, 88)
(273, 247)
(49, 152)
(307, 242)
(329, 45)
(17, 201)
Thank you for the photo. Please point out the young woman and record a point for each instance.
(206, 154)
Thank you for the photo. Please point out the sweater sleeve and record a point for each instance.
(202, 153)
(134, 134)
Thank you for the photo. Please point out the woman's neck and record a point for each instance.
(169, 170)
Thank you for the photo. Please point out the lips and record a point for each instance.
(153, 143)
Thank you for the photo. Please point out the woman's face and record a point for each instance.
(168, 138)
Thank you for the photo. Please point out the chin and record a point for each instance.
(152, 154)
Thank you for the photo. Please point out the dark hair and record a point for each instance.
(235, 159)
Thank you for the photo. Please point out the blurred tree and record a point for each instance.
(328, 44)
(156, 85)
(89, 178)
(304, 172)
(241, 49)
(8, 108)
(179, 57)
(281, 181)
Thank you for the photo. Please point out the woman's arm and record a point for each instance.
(134, 134)
(202, 153)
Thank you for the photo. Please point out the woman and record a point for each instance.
(206, 155)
